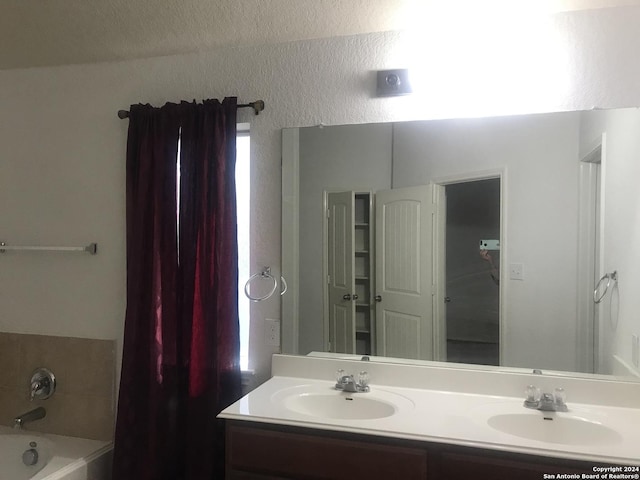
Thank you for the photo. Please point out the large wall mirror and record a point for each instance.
(469, 241)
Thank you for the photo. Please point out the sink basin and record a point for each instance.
(554, 428)
(340, 406)
(326, 402)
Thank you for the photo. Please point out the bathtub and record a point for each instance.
(54, 457)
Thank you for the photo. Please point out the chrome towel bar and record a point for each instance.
(92, 248)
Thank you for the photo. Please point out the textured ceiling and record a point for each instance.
(57, 32)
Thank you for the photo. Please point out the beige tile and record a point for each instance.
(44, 351)
(83, 404)
(14, 403)
(91, 367)
(9, 359)
(53, 419)
(10, 406)
(88, 416)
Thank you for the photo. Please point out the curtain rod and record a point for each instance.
(257, 106)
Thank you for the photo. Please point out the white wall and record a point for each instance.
(620, 309)
(62, 146)
(332, 159)
(539, 157)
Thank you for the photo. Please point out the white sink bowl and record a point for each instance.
(326, 402)
(340, 406)
(559, 428)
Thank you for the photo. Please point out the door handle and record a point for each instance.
(447, 299)
(346, 296)
(378, 298)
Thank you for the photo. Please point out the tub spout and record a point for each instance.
(30, 416)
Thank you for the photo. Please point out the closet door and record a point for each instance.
(341, 272)
(404, 243)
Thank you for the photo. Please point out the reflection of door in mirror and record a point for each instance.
(473, 271)
(398, 320)
(404, 233)
(348, 313)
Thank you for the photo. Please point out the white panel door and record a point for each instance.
(342, 332)
(404, 320)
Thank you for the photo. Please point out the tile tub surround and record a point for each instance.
(452, 406)
(84, 402)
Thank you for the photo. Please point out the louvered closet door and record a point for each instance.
(404, 324)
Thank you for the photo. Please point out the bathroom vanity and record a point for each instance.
(427, 422)
(264, 451)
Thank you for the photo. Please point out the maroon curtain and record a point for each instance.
(180, 364)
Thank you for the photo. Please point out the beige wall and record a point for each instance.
(62, 146)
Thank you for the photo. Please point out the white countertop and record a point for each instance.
(442, 415)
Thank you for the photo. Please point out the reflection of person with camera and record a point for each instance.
(495, 275)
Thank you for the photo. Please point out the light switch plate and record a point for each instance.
(516, 271)
(489, 244)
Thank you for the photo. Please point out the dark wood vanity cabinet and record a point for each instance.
(463, 463)
(262, 451)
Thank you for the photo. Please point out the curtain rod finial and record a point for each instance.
(258, 106)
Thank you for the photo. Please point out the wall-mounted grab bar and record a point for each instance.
(92, 248)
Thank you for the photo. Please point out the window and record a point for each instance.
(243, 201)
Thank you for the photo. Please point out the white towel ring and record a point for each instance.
(265, 273)
(608, 277)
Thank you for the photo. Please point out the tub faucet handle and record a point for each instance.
(43, 384)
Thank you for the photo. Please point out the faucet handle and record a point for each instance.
(363, 378)
(560, 396)
(339, 375)
(42, 384)
(532, 395)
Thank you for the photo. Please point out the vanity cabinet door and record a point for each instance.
(464, 466)
(264, 453)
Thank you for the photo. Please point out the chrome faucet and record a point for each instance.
(30, 416)
(347, 383)
(546, 402)
(43, 384)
